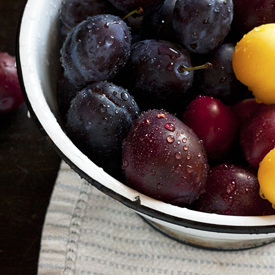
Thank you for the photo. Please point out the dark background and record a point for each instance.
(28, 168)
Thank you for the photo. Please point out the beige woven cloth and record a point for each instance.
(86, 232)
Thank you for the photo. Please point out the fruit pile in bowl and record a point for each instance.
(162, 97)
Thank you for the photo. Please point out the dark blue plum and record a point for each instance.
(156, 67)
(219, 81)
(99, 118)
(201, 25)
(96, 49)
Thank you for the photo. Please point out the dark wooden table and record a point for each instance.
(28, 170)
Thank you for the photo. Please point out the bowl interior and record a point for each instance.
(39, 65)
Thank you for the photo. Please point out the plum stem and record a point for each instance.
(205, 66)
(139, 10)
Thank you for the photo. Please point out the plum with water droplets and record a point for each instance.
(96, 49)
(157, 69)
(99, 118)
(220, 81)
(163, 158)
(202, 25)
(233, 190)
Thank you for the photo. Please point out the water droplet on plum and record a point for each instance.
(125, 163)
(170, 139)
(124, 96)
(189, 169)
(170, 127)
(160, 115)
(178, 155)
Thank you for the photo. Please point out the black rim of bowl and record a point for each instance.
(135, 205)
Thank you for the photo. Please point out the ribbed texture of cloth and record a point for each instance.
(86, 232)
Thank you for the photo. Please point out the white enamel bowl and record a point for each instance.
(38, 56)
